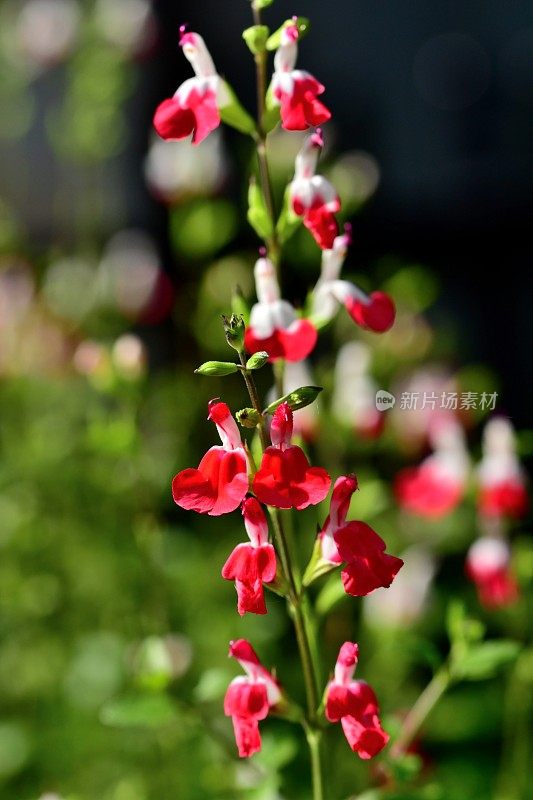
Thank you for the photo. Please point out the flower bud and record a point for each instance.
(256, 38)
(299, 398)
(216, 368)
(248, 417)
(234, 329)
(258, 360)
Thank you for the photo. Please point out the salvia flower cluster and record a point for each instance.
(262, 489)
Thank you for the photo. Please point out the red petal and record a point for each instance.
(247, 736)
(286, 480)
(298, 340)
(232, 482)
(271, 344)
(251, 598)
(323, 225)
(241, 564)
(366, 738)
(422, 491)
(508, 498)
(368, 566)
(171, 121)
(336, 702)
(192, 491)
(301, 109)
(378, 315)
(205, 110)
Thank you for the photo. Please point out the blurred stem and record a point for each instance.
(272, 242)
(300, 611)
(421, 709)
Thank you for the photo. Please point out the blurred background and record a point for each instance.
(118, 253)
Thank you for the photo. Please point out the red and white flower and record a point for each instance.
(221, 480)
(249, 699)
(355, 705)
(502, 482)
(295, 90)
(488, 566)
(285, 479)
(252, 564)
(312, 196)
(354, 391)
(195, 107)
(375, 312)
(274, 326)
(356, 545)
(437, 485)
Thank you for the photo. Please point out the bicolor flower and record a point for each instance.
(252, 564)
(312, 196)
(249, 699)
(437, 485)
(375, 311)
(295, 90)
(195, 107)
(355, 706)
(306, 420)
(356, 545)
(274, 326)
(502, 483)
(488, 566)
(221, 480)
(285, 479)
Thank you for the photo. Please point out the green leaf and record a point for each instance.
(316, 566)
(256, 38)
(330, 594)
(274, 41)
(138, 711)
(484, 660)
(260, 4)
(288, 221)
(299, 398)
(234, 115)
(217, 368)
(258, 215)
(258, 360)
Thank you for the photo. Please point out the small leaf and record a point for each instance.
(271, 115)
(138, 711)
(258, 215)
(259, 4)
(299, 398)
(234, 115)
(317, 566)
(302, 23)
(256, 38)
(288, 222)
(258, 360)
(217, 368)
(484, 660)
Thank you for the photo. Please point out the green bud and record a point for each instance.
(258, 360)
(259, 4)
(217, 368)
(248, 417)
(300, 398)
(256, 38)
(234, 329)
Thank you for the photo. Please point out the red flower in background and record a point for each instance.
(251, 565)
(194, 108)
(249, 699)
(354, 704)
(502, 483)
(312, 196)
(221, 480)
(366, 564)
(274, 326)
(294, 89)
(488, 566)
(285, 479)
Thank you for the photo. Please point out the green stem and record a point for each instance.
(421, 709)
(314, 741)
(264, 171)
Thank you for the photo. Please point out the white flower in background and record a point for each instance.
(297, 374)
(129, 356)
(46, 31)
(406, 599)
(354, 391)
(128, 24)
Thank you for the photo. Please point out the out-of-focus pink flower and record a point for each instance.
(366, 564)
(312, 196)
(306, 420)
(295, 90)
(502, 482)
(406, 599)
(274, 326)
(194, 108)
(437, 486)
(354, 392)
(355, 705)
(220, 483)
(488, 566)
(285, 478)
(129, 356)
(249, 699)
(252, 564)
